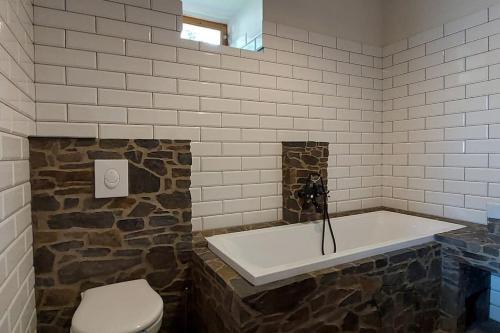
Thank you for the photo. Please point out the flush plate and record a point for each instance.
(111, 178)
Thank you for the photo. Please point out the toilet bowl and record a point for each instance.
(125, 307)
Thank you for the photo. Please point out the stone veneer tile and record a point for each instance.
(300, 159)
(81, 242)
(393, 292)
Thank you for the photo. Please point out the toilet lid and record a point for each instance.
(126, 307)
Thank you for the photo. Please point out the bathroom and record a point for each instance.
(249, 166)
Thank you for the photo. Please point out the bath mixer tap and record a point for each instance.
(312, 190)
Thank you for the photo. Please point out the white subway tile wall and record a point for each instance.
(441, 117)
(17, 122)
(414, 125)
(117, 70)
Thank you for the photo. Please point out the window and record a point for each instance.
(204, 31)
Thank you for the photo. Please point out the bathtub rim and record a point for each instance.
(278, 273)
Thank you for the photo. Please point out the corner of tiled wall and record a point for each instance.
(17, 115)
(441, 119)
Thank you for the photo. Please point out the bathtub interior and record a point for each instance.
(296, 248)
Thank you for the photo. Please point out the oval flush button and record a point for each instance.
(111, 178)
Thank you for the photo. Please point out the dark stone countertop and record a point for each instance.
(474, 238)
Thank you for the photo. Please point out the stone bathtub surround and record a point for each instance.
(468, 254)
(300, 159)
(82, 242)
(394, 292)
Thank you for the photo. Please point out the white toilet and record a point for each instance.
(126, 307)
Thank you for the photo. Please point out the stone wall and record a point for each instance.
(300, 159)
(83, 242)
(393, 292)
(469, 256)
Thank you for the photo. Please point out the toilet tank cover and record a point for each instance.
(125, 307)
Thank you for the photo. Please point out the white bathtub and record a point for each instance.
(266, 255)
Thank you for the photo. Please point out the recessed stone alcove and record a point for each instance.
(300, 159)
(82, 242)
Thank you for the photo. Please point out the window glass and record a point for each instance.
(200, 34)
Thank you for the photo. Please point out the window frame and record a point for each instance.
(222, 27)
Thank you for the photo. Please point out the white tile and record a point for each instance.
(335, 54)
(188, 118)
(239, 64)
(51, 112)
(66, 130)
(275, 96)
(150, 17)
(470, 215)
(445, 95)
(482, 174)
(96, 114)
(427, 61)
(466, 50)
(408, 78)
(64, 20)
(151, 51)
(471, 76)
(123, 29)
(180, 133)
(97, 8)
(125, 64)
(240, 121)
(456, 200)
(239, 92)
(264, 108)
(92, 42)
(290, 58)
(170, 69)
(307, 49)
(426, 86)
(483, 88)
(152, 116)
(466, 105)
(198, 88)
(150, 83)
(483, 59)
(94, 78)
(124, 98)
(466, 160)
(172, 7)
(50, 74)
(483, 30)
(483, 146)
(445, 43)
(65, 57)
(49, 36)
(412, 53)
(258, 80)
(464, 133)
(219, 105)
(270, 68)
(65, 94)
(445, 69)
(219, 75)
